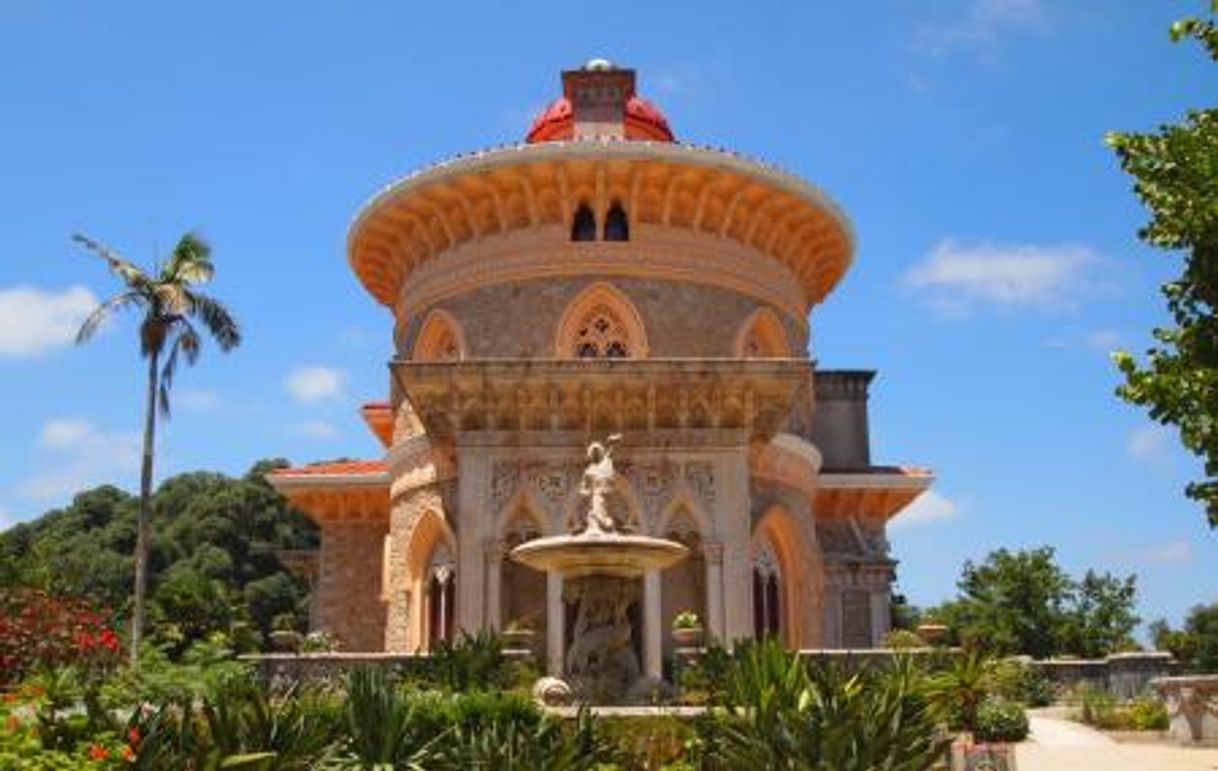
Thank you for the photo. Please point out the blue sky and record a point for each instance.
(996, 265)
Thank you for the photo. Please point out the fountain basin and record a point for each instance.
(599, 554)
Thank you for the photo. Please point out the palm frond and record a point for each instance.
(190, 262)
(219, 322)
(129, 272)
(153, 331)
(187, 343)
(99, 314)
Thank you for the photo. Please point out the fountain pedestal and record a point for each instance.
(600, 568)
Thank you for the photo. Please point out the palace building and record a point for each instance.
(602, 277)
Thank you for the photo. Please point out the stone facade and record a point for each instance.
(551, 293)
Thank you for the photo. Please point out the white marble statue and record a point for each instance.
(597, 484)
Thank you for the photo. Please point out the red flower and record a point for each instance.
(128, 753)
(133, 735)
(98, 752)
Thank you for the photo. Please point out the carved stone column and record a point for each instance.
(653, 626)
(713, 552)
(494, 552)
(555, 625)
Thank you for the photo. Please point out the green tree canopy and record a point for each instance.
(1196, 644)
(1022, 602)
(213, 551)
(1175, 171)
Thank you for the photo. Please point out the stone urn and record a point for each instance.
(286, 640)
(931, 633)
(687, 630)
(518, 638)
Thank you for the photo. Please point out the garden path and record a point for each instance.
(1062, 745)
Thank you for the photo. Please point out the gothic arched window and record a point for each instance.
(441, 595)
(583, 227)
(767, 594)
(601, 336)
(617, 225)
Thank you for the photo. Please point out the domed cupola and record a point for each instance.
(599, 101)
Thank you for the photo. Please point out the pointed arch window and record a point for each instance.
(583, 226)
(601, 336)
(440, 338)
(617, 225)
(762, 337)
(601, 323)
(767, 594)
(441, 595)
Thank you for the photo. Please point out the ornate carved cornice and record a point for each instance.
(752, 396)
(486, 194)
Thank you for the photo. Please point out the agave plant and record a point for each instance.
(783, 716)
(383, 733)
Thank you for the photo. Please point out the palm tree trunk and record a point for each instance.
(144, 523)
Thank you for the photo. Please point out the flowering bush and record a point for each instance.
(38, 629)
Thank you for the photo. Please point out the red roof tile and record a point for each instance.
(352, 467)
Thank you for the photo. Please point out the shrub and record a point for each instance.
(38, 629)
(903, 639)
(1142, 714)
(784, 716)
(1017, 681)
(1001, 721)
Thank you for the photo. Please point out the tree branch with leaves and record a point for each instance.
(1175, 171)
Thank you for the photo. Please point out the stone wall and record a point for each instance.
(520, 320)
(1124, 675)
(349, 603)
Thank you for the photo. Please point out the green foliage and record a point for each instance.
(965, 685)
(1001, 721)
(1019, 682)
(1103, 711)
(1196, 644)
(1022, 602)
(705, 680)
(784, 717)
(903, 638)
(1175, 171)
(212, 561)
(471, 662)
(1101, 619)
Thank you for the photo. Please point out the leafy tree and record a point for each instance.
(1014, 602)
(1022, 602)
(1175, 173)
(1102, 618)
(212, 562)
(170, 306)
(1196, 645)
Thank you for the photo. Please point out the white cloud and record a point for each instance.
(79, 455)
(1149, 444)
(1177, 552)
(197, 400)
(63, 433)
(1103, 341)
(311, 384)
(981, 27)
(318, 429)
(1173, 553)
(33, 320)
(930, 507)
(957, 277)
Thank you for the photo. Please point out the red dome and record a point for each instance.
(642, 120)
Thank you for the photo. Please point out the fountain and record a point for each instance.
(600, 566)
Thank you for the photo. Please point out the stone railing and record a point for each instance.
(1192, 704)
(282, 668)
(1123, 675)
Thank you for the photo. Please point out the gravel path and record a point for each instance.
(1062, 745)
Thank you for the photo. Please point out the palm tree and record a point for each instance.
(171, 306)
